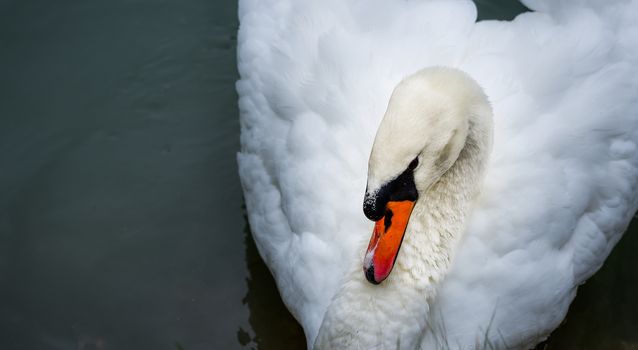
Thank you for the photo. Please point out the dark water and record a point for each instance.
(121, 219)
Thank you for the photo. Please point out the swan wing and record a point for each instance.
(561, 186)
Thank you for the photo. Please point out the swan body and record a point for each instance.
(498, 241)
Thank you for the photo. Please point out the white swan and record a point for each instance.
(558, 190)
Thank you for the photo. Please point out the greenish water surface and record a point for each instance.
(121, 216)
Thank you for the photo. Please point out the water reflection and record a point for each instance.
(120, 220)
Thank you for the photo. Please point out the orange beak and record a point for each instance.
(386, 240)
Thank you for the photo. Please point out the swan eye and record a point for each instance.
(414, 163)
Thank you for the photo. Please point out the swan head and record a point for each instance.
(421, 135)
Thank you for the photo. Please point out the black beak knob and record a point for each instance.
(374, 205)
(401, 188)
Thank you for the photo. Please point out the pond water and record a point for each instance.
(121, 217)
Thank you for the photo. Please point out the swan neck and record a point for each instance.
(395, 313)
(439, 217)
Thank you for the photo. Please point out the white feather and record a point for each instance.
(558, 192)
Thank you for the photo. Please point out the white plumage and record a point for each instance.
(560, 187)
